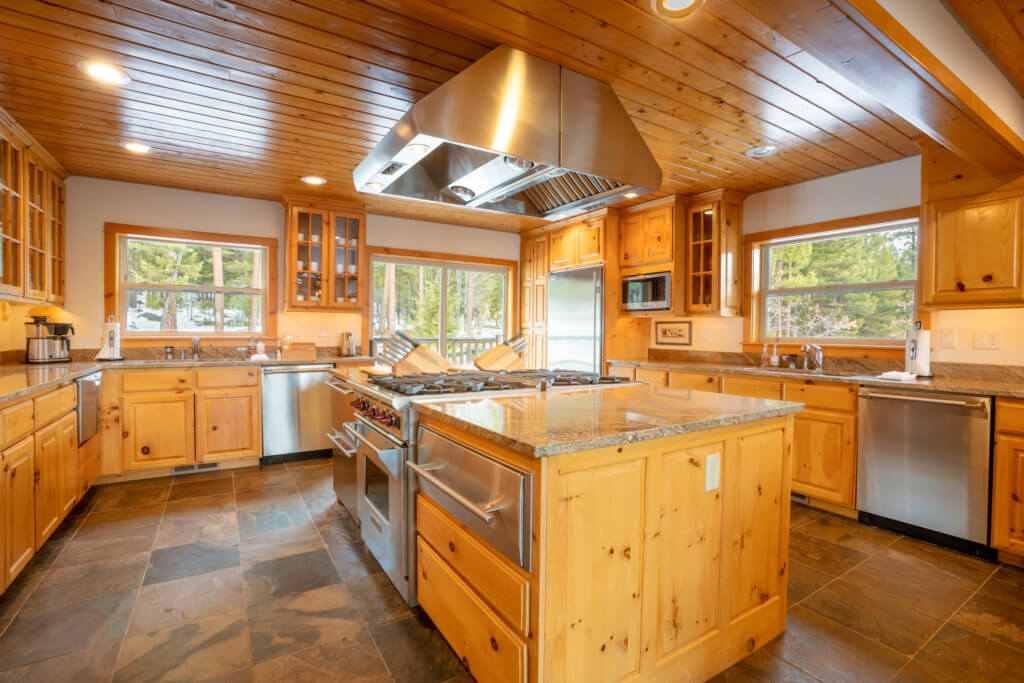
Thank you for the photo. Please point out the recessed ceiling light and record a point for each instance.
(314, 180)
(417, 148)
(374, 186)
(136, 147)
(676, 9)
(105, 73)
(761, 151)
(630, 195)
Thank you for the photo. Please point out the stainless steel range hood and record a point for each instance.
(516, 134)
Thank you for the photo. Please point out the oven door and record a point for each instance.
(346, 483)
(380, 501)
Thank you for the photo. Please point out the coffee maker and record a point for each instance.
(47, 342)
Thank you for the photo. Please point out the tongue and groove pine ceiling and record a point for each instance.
(246, 97)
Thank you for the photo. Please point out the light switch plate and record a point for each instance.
(947, 339)
(712, 471)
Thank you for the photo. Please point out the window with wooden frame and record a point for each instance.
(176, 283)
(850, 285)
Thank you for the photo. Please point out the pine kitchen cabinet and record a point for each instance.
(714, 253)
(533, 298)
(651, 237)
(579, 244)
(19, 526)
(229, 422)
(663, 559)
(327, 262)
(1008, 478)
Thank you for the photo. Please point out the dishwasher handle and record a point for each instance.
(484, 513)
(296, 370)
(965, 403)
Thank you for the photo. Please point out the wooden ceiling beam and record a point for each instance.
(861, 41)
(999, 26)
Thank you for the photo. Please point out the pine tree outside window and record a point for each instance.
(182, 287)
(854, 286)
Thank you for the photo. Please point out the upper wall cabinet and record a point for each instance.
(971, 253)
(647, 236)
(327, 260)
(579, 244)
(714, 253)
(12, 209)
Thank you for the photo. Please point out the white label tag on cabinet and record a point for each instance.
(712, 471)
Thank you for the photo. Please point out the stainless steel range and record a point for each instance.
(372, 477)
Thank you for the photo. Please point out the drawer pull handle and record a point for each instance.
(451, 546)
(484, 513)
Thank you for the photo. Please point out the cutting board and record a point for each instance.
(499, 358)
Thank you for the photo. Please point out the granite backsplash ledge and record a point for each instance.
(983, 372)
(207, 352)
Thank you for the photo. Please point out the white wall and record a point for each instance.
(91, 202)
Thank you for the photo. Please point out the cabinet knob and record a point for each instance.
(145, 450)
(494, 644)
(213, 428)
(451, 546)
(987, 278)
(961, 287)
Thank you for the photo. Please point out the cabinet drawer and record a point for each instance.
(68, 398)
(656, 378)
(156, 380)
(754, 387)
(18, 422)
(1009, 415)
(47, 409)
(500, 585)
(488, 648)
(213, 378)
(694, 381)
(828, 396)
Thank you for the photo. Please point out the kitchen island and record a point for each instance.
(656, 523)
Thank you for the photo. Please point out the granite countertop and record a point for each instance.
(17, 381)
(956, 385)
(547, 423)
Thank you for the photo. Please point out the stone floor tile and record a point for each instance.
(970, 569)
(762, 666)
(829, 651)
(214, 646)
(254, 521)
(185, 488)
(119, 496)
(64, 585)
(956, 654)
(64, 629)
(993, 618)
(1007, 584)
(415, 652)
(803, 580)
(308, 463)
(195, 597)
(849, 533)
(353, 560)
(81, 666)
(273, 543)
(168, 564)
(301, 620)
(900, 626)
(213, 522)
(825, 556)
(379, 601)
(283, 576)
(802, 514)
(353, 659)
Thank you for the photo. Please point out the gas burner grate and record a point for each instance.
(471, 381)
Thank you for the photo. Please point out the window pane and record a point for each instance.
(407, 298)
(878, 314)
(881, 256)
(174, 311)
(202, 265)
(476, 313)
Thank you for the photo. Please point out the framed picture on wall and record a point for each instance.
(673, 332)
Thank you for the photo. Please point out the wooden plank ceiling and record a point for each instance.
(246, 97)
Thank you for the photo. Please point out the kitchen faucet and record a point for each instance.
(813, 354)
(195, 348)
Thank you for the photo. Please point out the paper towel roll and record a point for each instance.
(111, 342)
(923, 363)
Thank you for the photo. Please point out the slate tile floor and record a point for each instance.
(258, 575)
(254, 574)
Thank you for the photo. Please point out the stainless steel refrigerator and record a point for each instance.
(576, 319)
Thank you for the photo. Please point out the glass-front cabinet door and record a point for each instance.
(56, 239)
(327, 255)
(12, 199)
(701, 258)
(38, 217)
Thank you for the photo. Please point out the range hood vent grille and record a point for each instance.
(568, 189)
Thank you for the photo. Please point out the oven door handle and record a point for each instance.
(339, 388)
(484, 513)
(333, 438)
(348, 427)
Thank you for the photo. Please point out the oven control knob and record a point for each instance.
(387, 420)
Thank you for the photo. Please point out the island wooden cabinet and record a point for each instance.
(660, 560)
(326, 262)
(1008, 478)
(19, 507)
(972, 252)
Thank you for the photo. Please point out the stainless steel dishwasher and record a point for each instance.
(924, 460)
(296, 409)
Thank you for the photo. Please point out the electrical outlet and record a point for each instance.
(712, 471)
(986, 340)
(947, 339)
(323, 332)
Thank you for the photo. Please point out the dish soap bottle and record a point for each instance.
(764, 357)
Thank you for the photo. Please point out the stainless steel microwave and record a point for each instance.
(651, 292)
